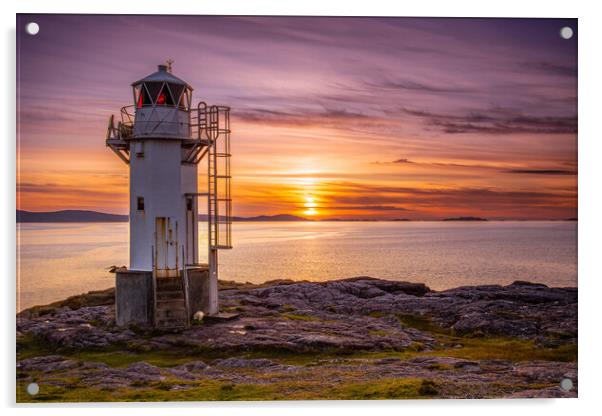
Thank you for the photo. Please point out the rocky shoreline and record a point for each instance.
(358, 338)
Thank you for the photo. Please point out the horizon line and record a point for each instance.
(466, 218)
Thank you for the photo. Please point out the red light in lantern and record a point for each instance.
(161, 99)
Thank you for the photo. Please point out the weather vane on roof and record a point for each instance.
(169, 62)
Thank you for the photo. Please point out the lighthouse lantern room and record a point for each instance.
(164, 140)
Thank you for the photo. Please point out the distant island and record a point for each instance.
(465, 219)
(69, 216)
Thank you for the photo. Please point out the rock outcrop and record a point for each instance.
(401, 329)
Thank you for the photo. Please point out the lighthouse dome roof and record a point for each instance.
(162, 75)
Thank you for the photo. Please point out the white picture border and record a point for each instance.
(590, 206)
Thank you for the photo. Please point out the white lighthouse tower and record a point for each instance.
(163, 139)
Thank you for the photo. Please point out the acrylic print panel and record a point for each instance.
(287, 208)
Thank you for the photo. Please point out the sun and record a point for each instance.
(310, 204)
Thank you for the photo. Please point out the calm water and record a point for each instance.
(58, 260)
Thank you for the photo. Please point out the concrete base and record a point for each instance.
(198, 290)
(134, 300)
(134, 297)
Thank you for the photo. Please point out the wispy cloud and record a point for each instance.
(551, 68)
(439, 202)
(303, 117)
(414, 86)
(542, 171)
(497, 121)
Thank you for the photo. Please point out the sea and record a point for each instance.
(57, 260)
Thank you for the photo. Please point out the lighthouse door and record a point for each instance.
(166, 248)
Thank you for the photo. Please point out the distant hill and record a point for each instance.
(465, 219)
(69, 216)
(366, 219)
(278, 217)
(94, 216)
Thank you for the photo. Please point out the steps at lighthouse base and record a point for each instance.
(170, 306)
(165, 296)
(169, 284)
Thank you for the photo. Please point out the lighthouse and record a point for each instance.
(179, 167)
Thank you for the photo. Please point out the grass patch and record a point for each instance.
(378, 332)
(406, 388)
(29, 346)
(486, 348)
(211, 390)
(428, 388)
(234, 308)
(506, 349)
(115, 357)
(299, 317)
(422, 323)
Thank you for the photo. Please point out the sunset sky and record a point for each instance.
(332, 117)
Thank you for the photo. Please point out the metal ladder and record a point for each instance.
(219, 196)
(210, 133)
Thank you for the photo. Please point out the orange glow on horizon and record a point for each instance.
(310, 212)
